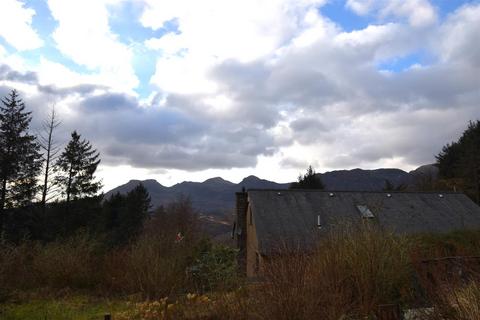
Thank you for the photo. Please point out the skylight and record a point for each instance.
(365, 211)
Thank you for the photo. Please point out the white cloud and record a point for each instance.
(16, 25)
(49, 73)
(215, 30)
(360, 7)
(84, 35)
(458, 37)
(419, 13)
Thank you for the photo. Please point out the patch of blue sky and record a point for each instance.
(42, 21)
(50, 52)
(336, 11)
(445, 7)
(125, 22)
(9, 48)
(399, 64)
(44, 24)
(144, 64)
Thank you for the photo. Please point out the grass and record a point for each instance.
(71, 308)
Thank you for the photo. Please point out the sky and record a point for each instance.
(189, 90)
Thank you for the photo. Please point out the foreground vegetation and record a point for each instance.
(158, 277)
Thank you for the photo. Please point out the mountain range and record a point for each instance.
(216, 196)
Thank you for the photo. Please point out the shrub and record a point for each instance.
(14, 267)
(154, 267)
(74, 262)
(71, 263)
(215, 269)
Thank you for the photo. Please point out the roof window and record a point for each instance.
(365, 211)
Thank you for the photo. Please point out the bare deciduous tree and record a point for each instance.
(51, 149)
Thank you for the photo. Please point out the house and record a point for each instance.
(267, 220)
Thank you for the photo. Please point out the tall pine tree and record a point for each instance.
(310, 180)
(76, 167)
(20, 159)
(460, 162)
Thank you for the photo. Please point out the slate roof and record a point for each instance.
(289, 217)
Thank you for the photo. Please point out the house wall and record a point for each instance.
(254, 259)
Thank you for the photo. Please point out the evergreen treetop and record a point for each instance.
(460, 161)
(20, 159)
(310, 180)
(76, 167)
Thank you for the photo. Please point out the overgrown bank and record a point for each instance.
(350, 274)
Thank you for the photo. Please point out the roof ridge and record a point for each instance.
(353, 191)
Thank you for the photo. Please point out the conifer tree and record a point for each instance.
(138, 205)
(20, 159)
(124, 215)
(310, 180)
(75, 169)
(460, 161)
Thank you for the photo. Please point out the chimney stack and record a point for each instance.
(241, 232)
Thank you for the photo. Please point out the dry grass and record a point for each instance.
(71, 263)
(151, 267)
(452, 288)
(466, 301)
(351, 272)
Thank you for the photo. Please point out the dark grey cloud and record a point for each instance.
(7, 73)
(108, 103)
(81, 89)
(177, 135)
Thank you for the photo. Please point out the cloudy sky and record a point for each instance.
(188, 90)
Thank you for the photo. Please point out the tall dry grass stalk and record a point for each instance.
(452, 287)
(466, 301)
(70, 263)
(151, 266)
(351, 271)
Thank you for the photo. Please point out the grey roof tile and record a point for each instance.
(289, 217)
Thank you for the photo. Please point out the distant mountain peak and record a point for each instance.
(217, 180)
(142, 181)
(251, 178)
(426, 170)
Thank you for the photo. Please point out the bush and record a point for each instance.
(215, 269)
(72, 263)
(152, 266)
